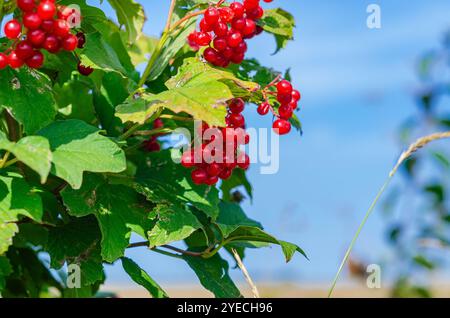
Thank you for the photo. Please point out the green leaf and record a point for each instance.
(174, 224)
(137, 111)
(34, 151)
(232, 217)
(98, 54)
(237, 179)
(131, 15)
(77, 242)
(163, 181)
(140, 277)
(118, 209)
(78, 147)
(142, 49)
(281, 24)
(213, 275)
(16, 198)
(254, 234)
(75, 101)
(422, 261)
(172, 46)
(28, 96)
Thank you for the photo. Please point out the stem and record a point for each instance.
(130, 132)
(13, 126)
(358, 232)
(4, 159)
(169, 247)
(169, 18)
(10, 163)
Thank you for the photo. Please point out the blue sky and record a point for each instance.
(356, 85)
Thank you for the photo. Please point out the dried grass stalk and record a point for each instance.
(249, 280)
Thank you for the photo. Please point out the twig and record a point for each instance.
(420, 143)
(249, 280)
(169, 247)
(169, 18)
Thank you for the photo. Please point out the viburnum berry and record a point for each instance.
(225, 29)
(237, 106)
(44, 31)
(81, 40)
(281, 126)
(36, 37)
(199, 176)
(14, 61)
(46, 10)
(284, 88)
(24, 50)
(12, 29)
(70, 43)
(26, 5)
(3, 61)
(263, 109)
(85, 70)
(36, 60)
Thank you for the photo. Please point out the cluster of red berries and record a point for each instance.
(219, 153)
(225, 29)
(288, 97)
(44, 26)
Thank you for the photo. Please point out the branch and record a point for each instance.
(168, 247)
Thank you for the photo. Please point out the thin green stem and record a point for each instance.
(10, 163)
(358, 232)
(4, 159)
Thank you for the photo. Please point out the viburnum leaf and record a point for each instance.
(28, 96)
(131, 15)
(77, 242)
(5, 271)
(255, 234)
(118, 209)
(281, 24)
(173, 44)
(137, 111)
(17, 199)
(98, 54)
(213, 275)
(232, 217)
(238, 179)
(142, 49)
(140, 277)
(34, 151)
(163, 181)
(174, 223)
(78, 147)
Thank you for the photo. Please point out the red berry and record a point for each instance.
(211, 180)
(237, 106)
(152, 146)
(32, 21)
(281, 127)
(251, 4)
(13, 29)
(237, 120)
(249, 28)
(263, 109)
(243, 161)
(238, 9)
(284, 87)
(284, 98)
(296, 95)
(210, 55)
(70, 43)
(46, 10)
(203, 38)
(220, 44)
(47, 25)
(3, 61)
(81, 40)
(36, 37)
(51, 44)
(234, 39)
(61, 28)
(225, 174)
(205, 26)
(285, 111)
(214, 169)
(14, 61)
(293, 104)
(85, 70)
(36, 60)
(226, 14)
(237, 58)
(241, 48)
(221, 29)
(24, 50)
(255, 14)
(26, 5)
(188, 159)
(199, 176)
(212, 16)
